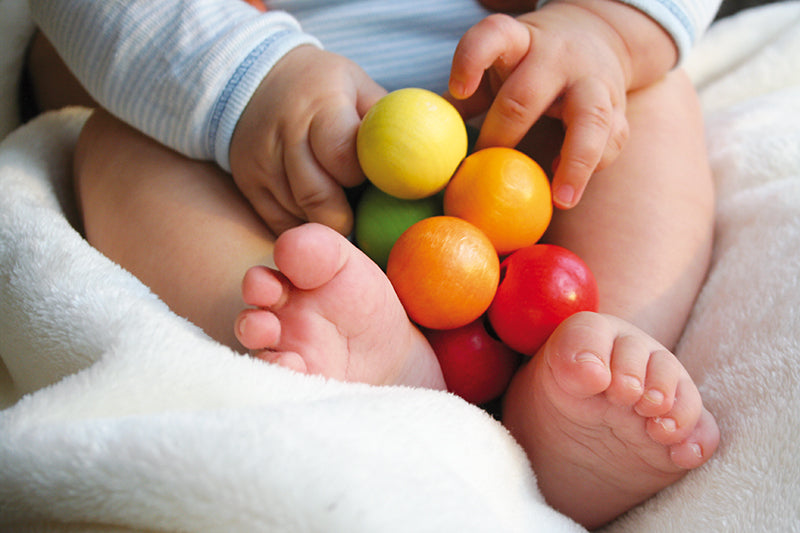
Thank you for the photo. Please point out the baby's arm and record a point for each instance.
(183, 73)
(572, 59)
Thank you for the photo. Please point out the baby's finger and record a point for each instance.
(333, 130)
(316, 193)
(588, 117)
(277, 218)
(498, 40)
(474, 105)
(617, 140)
(368, 92)
(332, 135)
(520, 102)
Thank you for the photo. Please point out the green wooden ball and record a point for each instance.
(382, 218)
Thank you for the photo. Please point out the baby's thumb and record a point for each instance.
(368, 93)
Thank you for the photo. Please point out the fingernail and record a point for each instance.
(456, 88)
(656, 397)
(565, 195)
(667, 424)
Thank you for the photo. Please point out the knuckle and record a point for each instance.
(598, 116)
(618, 139)
(341, 162)
(277, 218)
(321, 205)
(512, 109)
(616, 143)
(312, 199)
(497, 22)
(279, 224)
(333, 144)
(581, 165)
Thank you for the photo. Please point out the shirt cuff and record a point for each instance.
(670, 16)
(284, 37)
(672, 19)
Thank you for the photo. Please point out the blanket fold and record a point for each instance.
(138, 420)
(118, 415)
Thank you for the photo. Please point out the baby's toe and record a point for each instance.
(257, 329)
(263, 287)
(311, 255)
(289, 360)
(699, 446)
(664, 372)
(628, 370)
(579, 353)
(681, 420)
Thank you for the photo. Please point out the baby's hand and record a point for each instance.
(564, 61)
(294, 147)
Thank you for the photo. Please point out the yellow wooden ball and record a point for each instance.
(411, 142)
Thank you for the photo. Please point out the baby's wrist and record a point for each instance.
(283, 37)
(647, 51)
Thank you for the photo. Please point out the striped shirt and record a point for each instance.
(183, 71)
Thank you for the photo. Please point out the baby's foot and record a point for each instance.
(332, 311)
(608, 418)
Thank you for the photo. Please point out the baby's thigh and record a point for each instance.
(119, 174)
(126, 182)
(180, 225)
(666, 121)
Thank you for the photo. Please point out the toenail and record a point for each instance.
(588, 357)
(696, 449)
(667, 424)
(632, 382)
(656, 397)
(240, 325)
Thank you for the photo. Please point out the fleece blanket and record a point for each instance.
(117, 415)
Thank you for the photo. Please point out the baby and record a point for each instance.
(606, 413)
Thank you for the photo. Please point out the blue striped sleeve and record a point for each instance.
(181, 72)
(684, 20)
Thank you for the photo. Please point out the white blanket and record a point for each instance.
(118, 415)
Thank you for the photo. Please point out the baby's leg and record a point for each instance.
(607, 432)
(170, 221)
(184, 229)
(645, 223)
(608, 417)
